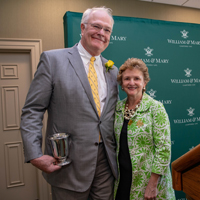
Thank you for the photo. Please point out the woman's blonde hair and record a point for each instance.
(132, 63)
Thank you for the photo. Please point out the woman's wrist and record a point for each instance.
(154, 179)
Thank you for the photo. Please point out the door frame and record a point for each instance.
(34, 47)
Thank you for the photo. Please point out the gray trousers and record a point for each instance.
(101, 187)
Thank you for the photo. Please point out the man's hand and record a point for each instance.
(45, 163)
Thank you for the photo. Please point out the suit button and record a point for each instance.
(96, 143)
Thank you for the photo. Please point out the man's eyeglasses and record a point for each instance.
(98, 28)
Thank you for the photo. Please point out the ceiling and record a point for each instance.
(183, 3)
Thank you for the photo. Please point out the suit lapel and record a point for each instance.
(77, 64)
(108, 82)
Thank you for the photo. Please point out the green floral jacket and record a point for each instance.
(149, 145)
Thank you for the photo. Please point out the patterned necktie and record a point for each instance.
(92, 77)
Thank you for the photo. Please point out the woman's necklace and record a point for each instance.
(128, 113)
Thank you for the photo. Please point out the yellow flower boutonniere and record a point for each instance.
(109, 65)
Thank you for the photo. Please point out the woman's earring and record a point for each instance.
(144, 89)
(122, 88)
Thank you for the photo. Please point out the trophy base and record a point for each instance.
(66, 162)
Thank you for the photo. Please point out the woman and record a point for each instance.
(142, 132)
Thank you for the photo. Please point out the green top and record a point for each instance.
(149, 144)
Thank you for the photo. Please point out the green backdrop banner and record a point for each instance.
(171, 52)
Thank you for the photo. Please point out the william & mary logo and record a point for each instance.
(189, 121)
(117, 38)
(188, 72)
(152, 92)
(183, 43)
(148, 51)
(184, 34)
(191, 111)
(186, 82)
(151, 61)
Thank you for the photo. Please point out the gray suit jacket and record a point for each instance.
(61, 87)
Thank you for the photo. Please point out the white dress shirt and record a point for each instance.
(102, 86)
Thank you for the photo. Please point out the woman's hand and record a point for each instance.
(151, 191)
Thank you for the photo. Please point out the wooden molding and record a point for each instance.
(187, 160)
(186, 173)
(191, 182)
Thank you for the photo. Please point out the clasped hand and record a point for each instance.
(151, 191)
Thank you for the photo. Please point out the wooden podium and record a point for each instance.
(186, 173)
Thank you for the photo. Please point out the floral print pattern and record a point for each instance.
(149, 145)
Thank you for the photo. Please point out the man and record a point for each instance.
(61, 86)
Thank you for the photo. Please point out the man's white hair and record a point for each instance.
(87, 13)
